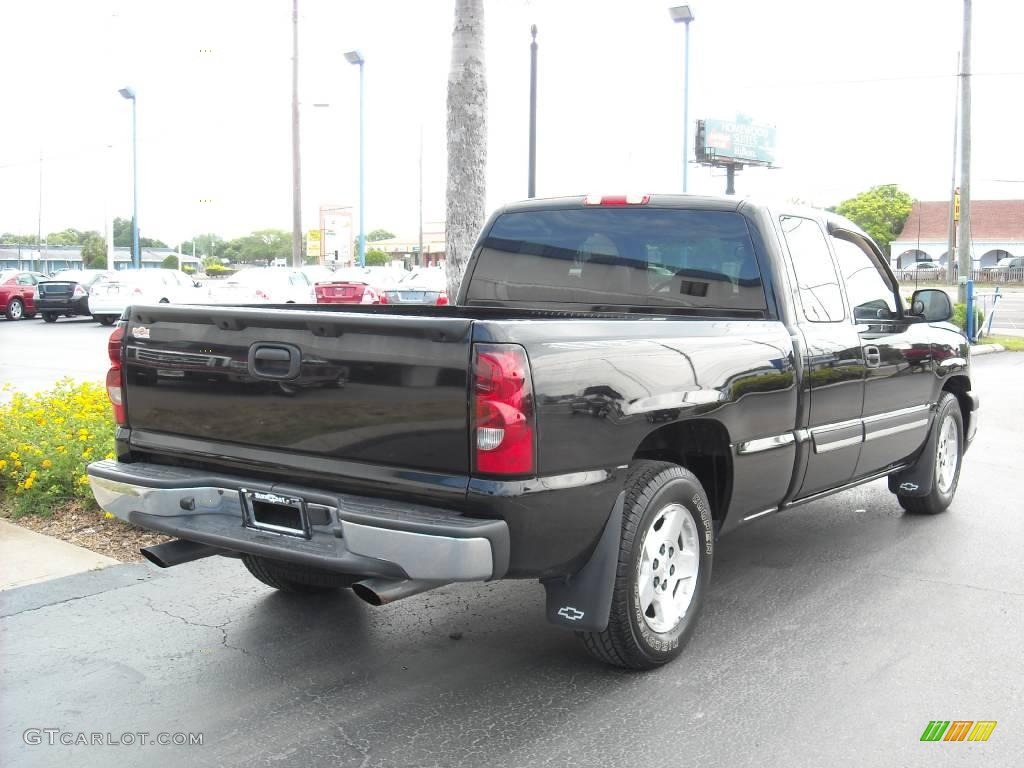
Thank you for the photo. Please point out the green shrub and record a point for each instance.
(960, 317)
(46, 441)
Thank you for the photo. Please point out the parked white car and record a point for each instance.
(274, 285)
(108, 297)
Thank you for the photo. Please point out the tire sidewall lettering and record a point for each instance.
(681, 491)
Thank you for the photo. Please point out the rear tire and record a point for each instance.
(667, 538)
(106, 319)
(15, 310)
(294, 578)
(50, 317)
(949, 453)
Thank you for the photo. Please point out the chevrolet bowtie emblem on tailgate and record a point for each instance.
(570, 613)
(908, 487)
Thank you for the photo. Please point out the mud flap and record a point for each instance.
(917, 480)
(583, 600)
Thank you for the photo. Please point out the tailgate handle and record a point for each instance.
(274, 361)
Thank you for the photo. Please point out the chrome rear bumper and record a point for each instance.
(347, 534)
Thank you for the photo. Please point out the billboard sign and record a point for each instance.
(734, 141)
(337, 234)
(313, 243)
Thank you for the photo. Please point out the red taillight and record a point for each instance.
(369, 296)
(615, 200)
(503, 427)
(442, 299)
(115, 380)
(383, 298)
(79, 292)
(261, 295)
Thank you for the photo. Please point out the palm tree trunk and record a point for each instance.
(467, 140)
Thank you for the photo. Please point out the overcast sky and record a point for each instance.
(861, 94)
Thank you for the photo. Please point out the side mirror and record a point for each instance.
(931, 304)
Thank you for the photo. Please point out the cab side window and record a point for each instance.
(871, 295)
(816, 278)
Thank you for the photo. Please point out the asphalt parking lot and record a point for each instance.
(35, 355)
(832, 635)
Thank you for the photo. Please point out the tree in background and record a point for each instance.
(11, 238)
(881, 212)
(170, 262)
(94, 252)
(467, 140)
(123, 236)
(264, 246)
(67, 237)
(375, 257)
(206, 245)
(379, 234)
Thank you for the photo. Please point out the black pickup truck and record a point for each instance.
(620, 381)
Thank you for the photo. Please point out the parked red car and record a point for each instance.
(355, 286)
(18, 293)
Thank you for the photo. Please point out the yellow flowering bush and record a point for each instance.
(46, 441)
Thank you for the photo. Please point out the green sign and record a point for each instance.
(731, 140)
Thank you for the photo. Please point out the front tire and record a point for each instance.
(664, 568)
(294, 578)
(50, 317)
(949, 453)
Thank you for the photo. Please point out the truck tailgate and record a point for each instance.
(382, 389)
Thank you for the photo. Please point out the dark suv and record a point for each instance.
(67, 293)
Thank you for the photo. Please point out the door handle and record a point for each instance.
(872, 356)
(274, 361)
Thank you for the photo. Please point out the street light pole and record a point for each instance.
(532, 186)
(129, 94)
(683, 14)
(965, 157)
(355, 57)
(296, 155)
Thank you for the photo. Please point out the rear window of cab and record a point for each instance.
(632, 257)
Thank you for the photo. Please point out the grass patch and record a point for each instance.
(1011, 343)
(46, 441)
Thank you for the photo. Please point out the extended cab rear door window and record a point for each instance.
(816, 278)
(657, 257)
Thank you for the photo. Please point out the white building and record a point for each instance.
(997, 231)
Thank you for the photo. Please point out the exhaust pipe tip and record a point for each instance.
(378, 592)
(177, 552)
(153, 557)
(366, 594)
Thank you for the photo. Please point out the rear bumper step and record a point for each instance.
(346, 534)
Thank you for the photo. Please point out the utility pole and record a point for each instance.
(419, 254)
(109, 212)
(296, 169)
(965, 157)
(532, 186)
(953, 191)
(39, 224)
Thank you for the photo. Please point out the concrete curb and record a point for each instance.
(986, 349)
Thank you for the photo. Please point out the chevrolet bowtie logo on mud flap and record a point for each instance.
(570, 613)
(908, 487)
